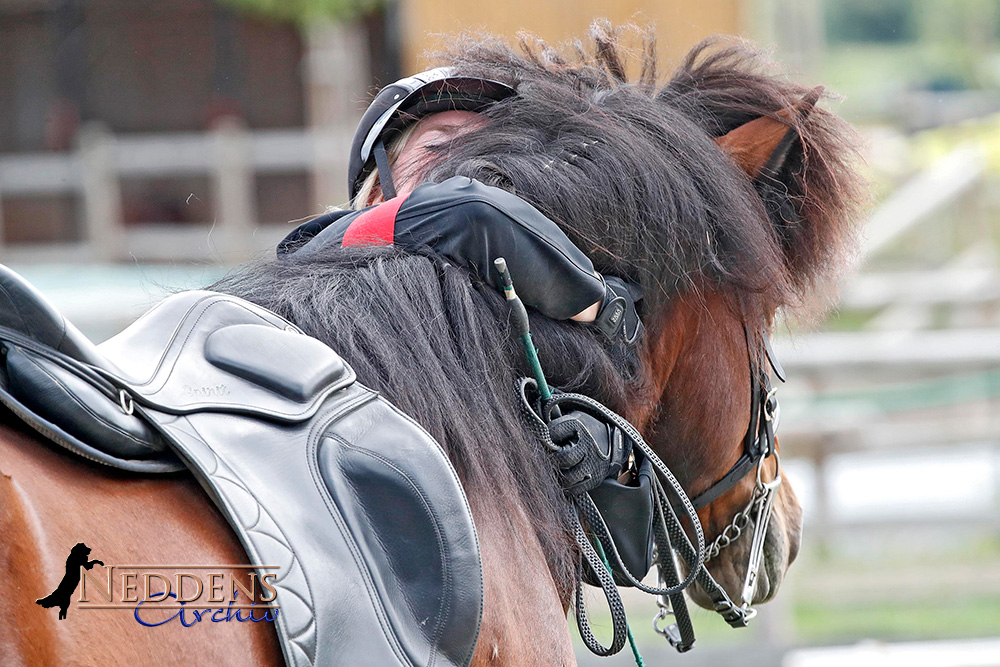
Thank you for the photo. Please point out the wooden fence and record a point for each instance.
(230, 156)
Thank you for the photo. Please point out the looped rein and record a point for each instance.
(595, 541)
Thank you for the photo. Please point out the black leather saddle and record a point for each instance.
(356, 503)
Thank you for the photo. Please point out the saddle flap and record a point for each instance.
(366, 519)
(53, 395)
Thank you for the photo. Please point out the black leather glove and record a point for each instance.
(588, 451)
(618, 317)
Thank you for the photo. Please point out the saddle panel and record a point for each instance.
(61, 397)
(102, 450)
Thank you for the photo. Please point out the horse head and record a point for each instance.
(693, 189)
(724, 192)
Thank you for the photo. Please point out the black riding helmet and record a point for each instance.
(405, 102)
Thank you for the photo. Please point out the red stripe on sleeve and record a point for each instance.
(376, 226)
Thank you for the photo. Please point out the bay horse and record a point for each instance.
(683, 187)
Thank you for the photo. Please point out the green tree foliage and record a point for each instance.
(305, 11)
(886, 21)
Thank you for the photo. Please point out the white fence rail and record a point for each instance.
(947, 180)
(230, 156)
(870, 352)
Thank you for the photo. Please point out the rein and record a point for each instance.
(578, 449)
(759, 444)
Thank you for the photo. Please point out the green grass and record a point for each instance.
(818, 622)
(932, 612)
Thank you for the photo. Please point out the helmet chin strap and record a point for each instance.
(384, 174)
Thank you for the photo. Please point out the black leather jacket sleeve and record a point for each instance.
(471, 224)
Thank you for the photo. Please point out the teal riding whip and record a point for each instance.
(522, 327)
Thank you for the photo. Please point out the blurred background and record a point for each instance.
(146, 147)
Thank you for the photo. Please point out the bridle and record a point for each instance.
(759, 444)
(758, 441)
(409, 99)
(588, 442)
(597, 546)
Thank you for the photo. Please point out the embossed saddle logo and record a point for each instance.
(215, 391)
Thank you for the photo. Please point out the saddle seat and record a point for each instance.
(24, 309)
(102, 432)
(357, 506)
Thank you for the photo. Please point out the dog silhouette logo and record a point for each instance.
(61, 596)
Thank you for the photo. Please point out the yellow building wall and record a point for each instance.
(679, 23)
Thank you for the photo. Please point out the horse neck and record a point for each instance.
(524, 610)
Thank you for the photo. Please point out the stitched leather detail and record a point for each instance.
(264, 541)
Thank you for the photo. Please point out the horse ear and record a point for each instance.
(761, 146)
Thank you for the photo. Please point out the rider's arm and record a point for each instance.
(471, 224)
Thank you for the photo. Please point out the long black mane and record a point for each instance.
(438, 345)
(631, 172)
